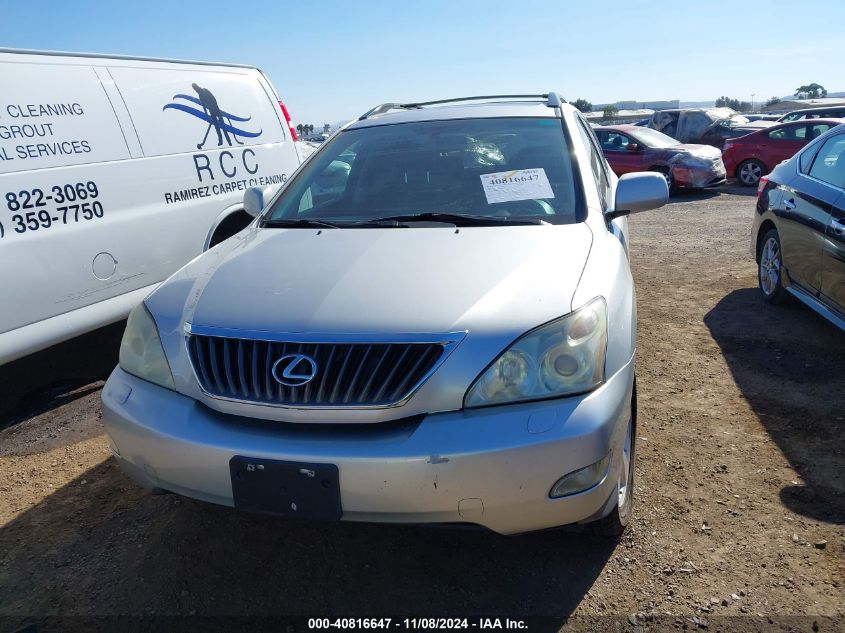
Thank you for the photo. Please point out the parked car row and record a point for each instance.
(749, 150)
(750, 157)
(631, 148)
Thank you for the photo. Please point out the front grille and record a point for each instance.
(347, 374)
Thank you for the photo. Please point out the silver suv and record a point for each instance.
(432, 322)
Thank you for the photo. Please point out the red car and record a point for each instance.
(750, 157)
(634, 148)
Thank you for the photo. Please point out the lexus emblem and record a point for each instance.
(294, 370)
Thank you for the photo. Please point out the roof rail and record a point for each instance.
(552, 99)
(380, 109)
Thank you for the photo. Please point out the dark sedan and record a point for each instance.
(798, 235)
(630, 148)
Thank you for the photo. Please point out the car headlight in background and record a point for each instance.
(563, 357)
(141, 353)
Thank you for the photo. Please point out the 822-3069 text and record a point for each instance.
(77, 203)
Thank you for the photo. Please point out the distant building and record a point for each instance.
(640, 105)
(622, 116)
(788, 105)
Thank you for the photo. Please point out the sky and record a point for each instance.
(332, 60)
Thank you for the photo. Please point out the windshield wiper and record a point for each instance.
(301, 223)
(455, 219)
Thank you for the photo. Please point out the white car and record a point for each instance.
(433, 322)
(114, 173)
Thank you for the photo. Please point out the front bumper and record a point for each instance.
(493, 467)
(688, 177)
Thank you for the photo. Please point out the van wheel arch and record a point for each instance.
(228, 224)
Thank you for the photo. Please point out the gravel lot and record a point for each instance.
(740, 493)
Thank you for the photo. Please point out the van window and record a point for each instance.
(55, 115)
(178, 111)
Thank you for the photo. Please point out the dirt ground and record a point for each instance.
(740, 489)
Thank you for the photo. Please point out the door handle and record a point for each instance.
(837, 227)
(789, 205)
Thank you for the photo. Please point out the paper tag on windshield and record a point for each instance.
(520, 184)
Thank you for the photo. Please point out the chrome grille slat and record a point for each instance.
(361, 364)
(325, 373)
(267, 378)
(390, 375)
(256, 385)
(339, 378)
(227, 366)
(366, 390)
(420, 358)
(215, 369)
(367, 374)
(242, 367)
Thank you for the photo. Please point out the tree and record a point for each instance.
(811, 91)
(299, 128)
(734, 104)
(772, 101)
(583, 105)
(310, 129)
(609, 112)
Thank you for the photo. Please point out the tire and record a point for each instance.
(749, 172)
(667, 174)
(614, 524)
(769, 269)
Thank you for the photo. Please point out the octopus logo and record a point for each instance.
(224, 123)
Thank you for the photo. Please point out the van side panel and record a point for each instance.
(178, 111)
(54, 116)
(80, 229)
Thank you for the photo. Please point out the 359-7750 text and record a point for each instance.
(34, 210)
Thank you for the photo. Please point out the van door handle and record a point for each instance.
(789, 205)
(837, 227)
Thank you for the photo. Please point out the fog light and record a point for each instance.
(580, 480)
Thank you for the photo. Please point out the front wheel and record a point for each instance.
(749, 172)
(667, 175)
(614, 524)
(770, 274)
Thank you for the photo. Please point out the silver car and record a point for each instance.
(432, 322)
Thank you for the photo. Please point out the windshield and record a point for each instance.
(502, 168)
(653, 138)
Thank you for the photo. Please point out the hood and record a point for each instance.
(392, 280)
(697, 150)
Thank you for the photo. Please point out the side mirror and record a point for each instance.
(254, 200)
(632, 147)
(639, 192)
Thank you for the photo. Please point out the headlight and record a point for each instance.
(141, 353)
(561, 358)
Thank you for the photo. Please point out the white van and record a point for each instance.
(115, 172)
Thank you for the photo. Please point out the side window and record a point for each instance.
(789, 133)
(817, 129)
(614, 141)
(597, 165)
(330, 184)
(806, 160)
(829, 165)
